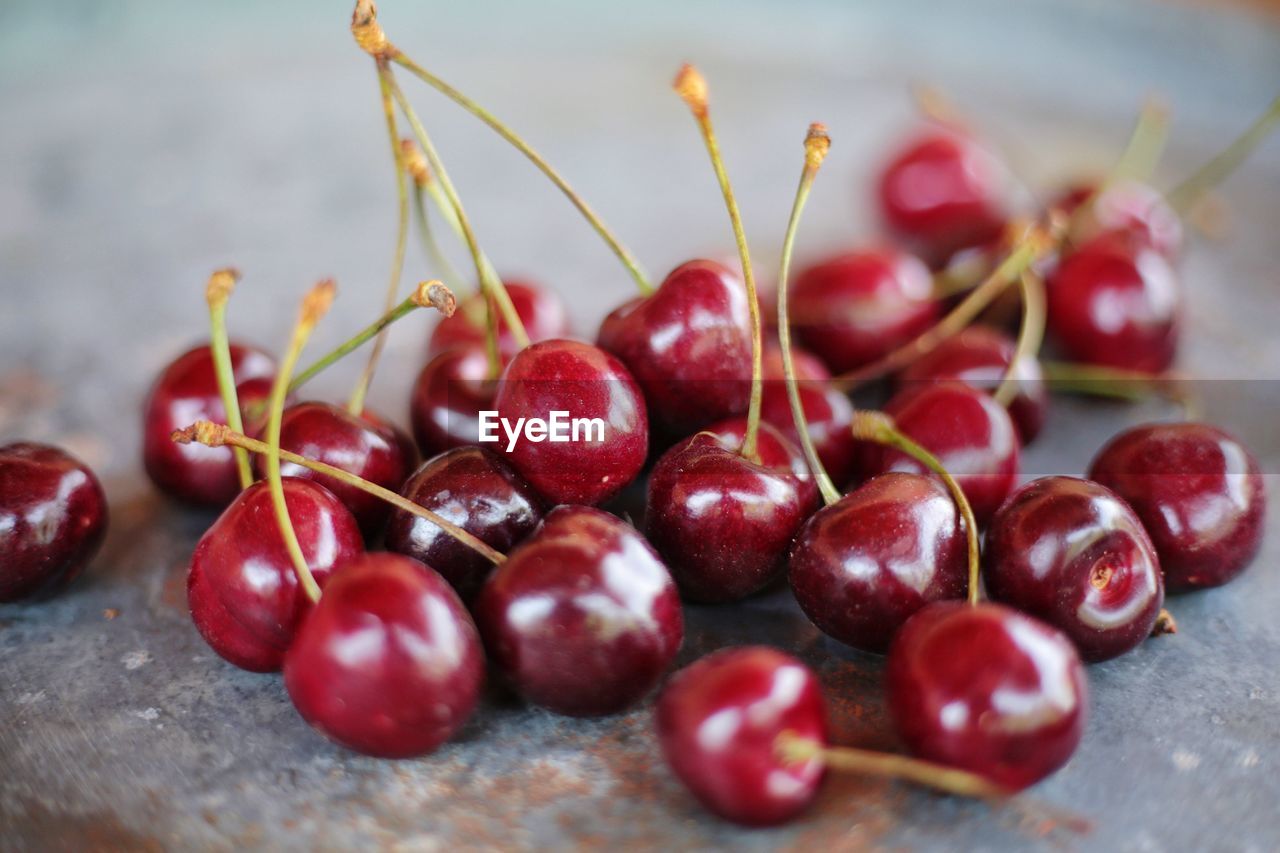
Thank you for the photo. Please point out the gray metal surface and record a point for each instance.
(145, 144)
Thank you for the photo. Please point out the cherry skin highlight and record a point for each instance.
(1199, 492)
(582, 618)
(827, 411)
(186, 392)
(987, 689)
(389, 663)
(721, 521)
(540, 310)
(53, 518)
(1072, 553)
(476, 490)
(242, 587)
(688, 345)
(862, 566)
(719, 721)
(448, 396)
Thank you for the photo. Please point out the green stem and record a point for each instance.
(1120, 384)
(430, 245)
(1146, 144)
(1186, 194)
(217, 292)
(1030, 335)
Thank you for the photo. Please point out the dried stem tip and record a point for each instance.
(368, 32)
(1165, 624)
(414, 163)
(872, 426)
(433, 294)
(220, 285)
(317, 301)
(202, 432)
(692, 87)
(816, 145)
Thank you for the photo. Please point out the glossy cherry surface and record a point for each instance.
(980, 356)
(581, 381)
(583, 618)
(1123, 206)
(186, 392)
(1071, 553)
(476, 490)
(389, 663)
(1116, 303)
(719, 720)
(862, 566)
(854, 308)
(448, 396)
(1199, 492)
(987, 689)
(540, 310)
(722, 522)
(242, 588)
(53, 518)
(688, 345)
(828, 412)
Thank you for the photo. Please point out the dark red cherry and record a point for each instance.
(863, 565)
(827, 411)
(53, 517)
(987, 689)
(581, 382)
(970, 433)
(476, 490)
(186, 392)
(942, 192)
(854, 308)
(388, 663)
(364, 446)
(722, 522)
(583, 618)
(1123, 206)
(980, 356)
(448, 396)
(1116, 303)
(1072, 553)
(242, 588)
(688, 345)
(1199, 493)
(719, 720)
(541, 310)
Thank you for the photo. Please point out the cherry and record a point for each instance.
(187, 391)
(582, 618)
(970, 433)
(724, 522)
(1116, 303)
(986, 689)
(1072, 553)
(477, 491)
(980, 356)
(854, 308)
(719, 720)
(1126, 205)
(388, 663)
(242, 589)
(53, 518)
(1199, 493)
(941, 192)
(540, 309)
(688, 345)
(587, 382)
(860, 567)
(827, 411)
(448, 396)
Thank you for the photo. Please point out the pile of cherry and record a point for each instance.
(498, 558)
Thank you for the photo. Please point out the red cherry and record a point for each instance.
(1072, 553)
(988, 690)
(585, 382)
(863, 565)
(448, 396)
(1123, 206)
(1198, 491)
(688, 345)
(721, 521)
(856, 307)
(186, 392)
(540, 309)
(53, 518)
(583, 618)
(389, 663)
(719, 721)
(1117, 304)
(827, 411)
(242, 587)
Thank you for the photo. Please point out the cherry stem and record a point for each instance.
(879, 427)
(1030, 335)
(416, 165)
(217, 435)
(1120, 384)
(692, 88)
(221, 283)
(314, 306)
(1146, 144)
(1185, 196)
(816, 145)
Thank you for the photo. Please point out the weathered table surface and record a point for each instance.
(145, 144)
